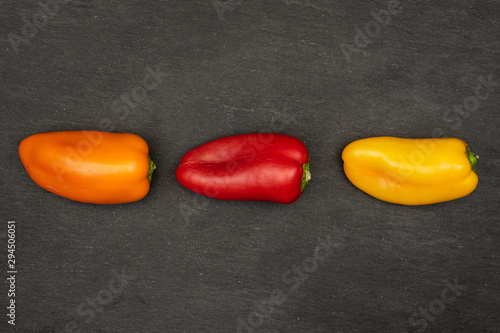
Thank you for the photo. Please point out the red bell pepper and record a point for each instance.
(253, 167)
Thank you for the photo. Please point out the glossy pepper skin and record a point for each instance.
(252, 167)
(411, 171)
(89, 166)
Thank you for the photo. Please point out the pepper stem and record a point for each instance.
(152, 168)
(306, 175)
(472, 158)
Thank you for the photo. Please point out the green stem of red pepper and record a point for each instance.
(306, 176)
(152, 168)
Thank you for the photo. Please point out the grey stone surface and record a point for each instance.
(327, 73)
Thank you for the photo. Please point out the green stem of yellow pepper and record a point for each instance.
(472, 158)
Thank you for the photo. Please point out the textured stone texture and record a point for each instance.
(199, 265)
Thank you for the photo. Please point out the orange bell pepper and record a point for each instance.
(411, 171)
(89, 166)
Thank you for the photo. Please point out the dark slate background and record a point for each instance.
(194, 264)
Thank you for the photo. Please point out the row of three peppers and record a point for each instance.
(111, 168)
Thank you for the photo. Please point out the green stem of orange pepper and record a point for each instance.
(152, 168)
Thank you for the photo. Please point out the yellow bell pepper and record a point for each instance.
(411, 171)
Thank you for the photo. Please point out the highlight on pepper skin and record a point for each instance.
(252, 167)
(89, 166)
(411, 171)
